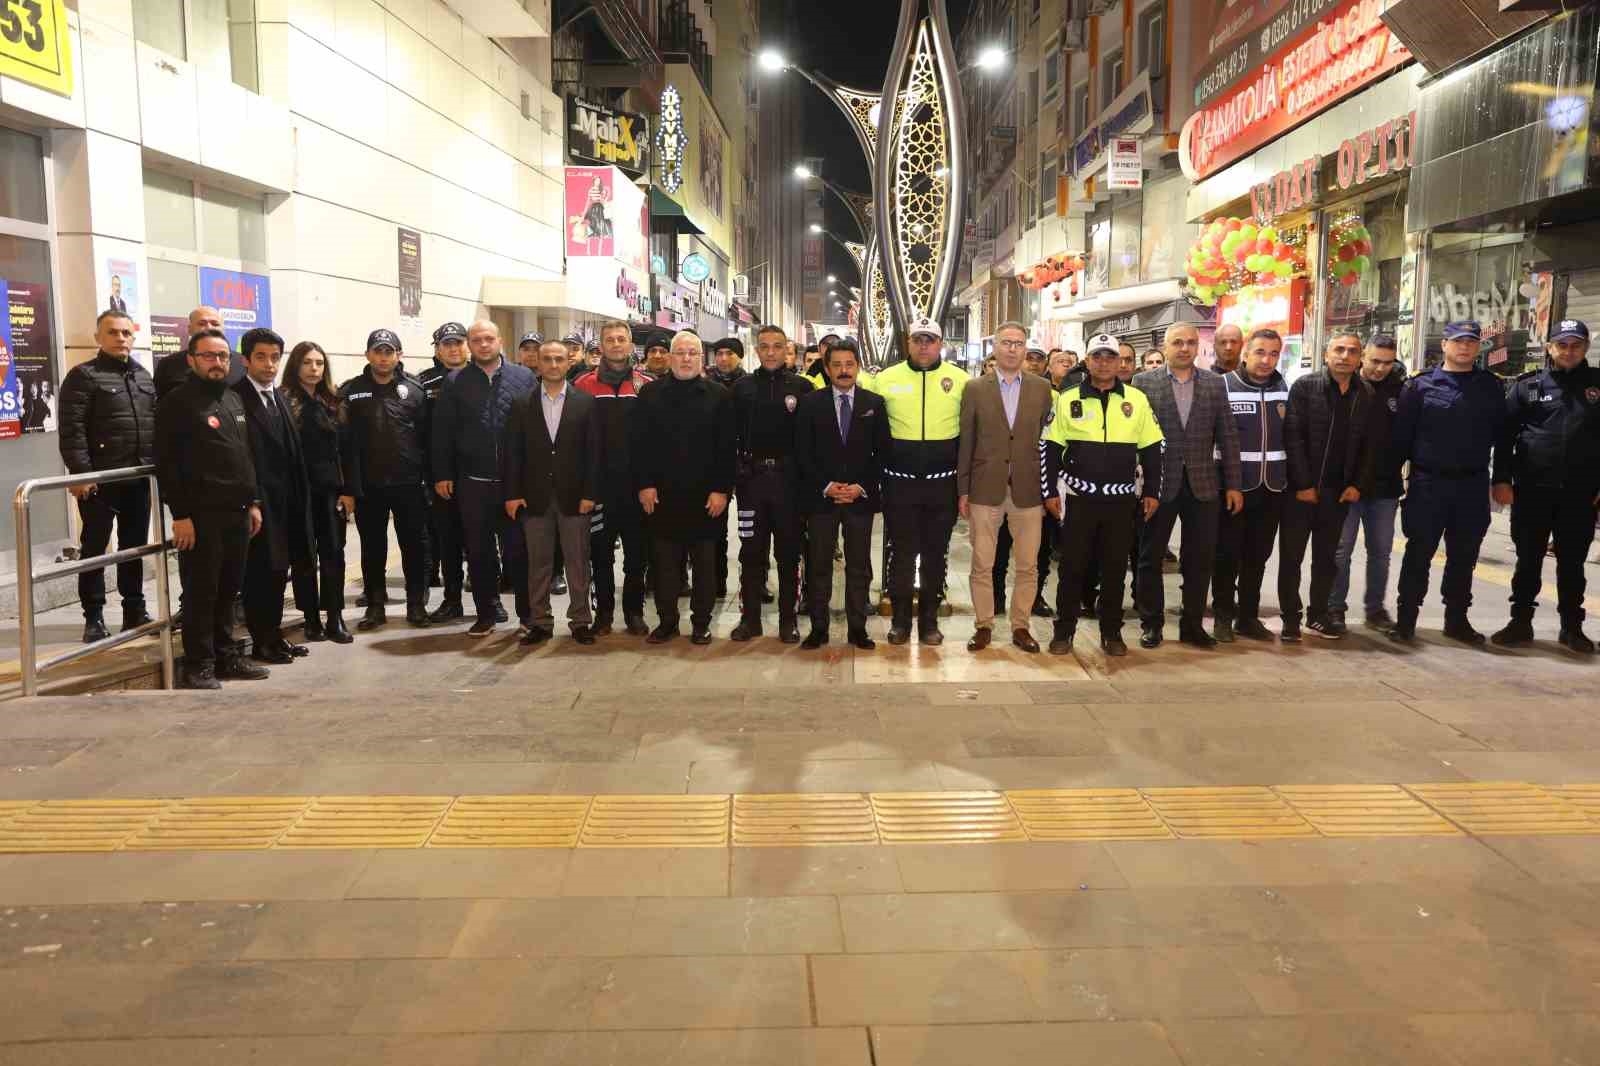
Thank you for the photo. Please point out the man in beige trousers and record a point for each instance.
(1003, 415)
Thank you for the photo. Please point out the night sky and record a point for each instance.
(849, 41)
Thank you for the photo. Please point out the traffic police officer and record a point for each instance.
(444, 520)
(1101, 434)
(923, 398)
(1446, 423)
(764, 403)
(1547, 467)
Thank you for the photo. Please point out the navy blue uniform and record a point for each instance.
(1550, 454)
(1446, 424)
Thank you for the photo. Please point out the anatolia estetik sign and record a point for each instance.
(1268, 65)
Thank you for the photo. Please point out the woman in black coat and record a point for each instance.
(317, 415)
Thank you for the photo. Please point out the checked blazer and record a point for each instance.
(1207, 449)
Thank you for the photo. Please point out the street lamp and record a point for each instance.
(803, 172)
(771, 60)
(815, 228)
(991, 58)
(832, 280)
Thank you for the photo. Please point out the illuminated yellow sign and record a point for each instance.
(35, 45)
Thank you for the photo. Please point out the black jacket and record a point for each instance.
(1308, 427)
(385, 432)
(108, 415)
(1387, 482)
(1552, 431)
(202, 455)
(823, 457)
(682, 447)
(280, 479)
(470, 417)
(433, 379)
(764, 406)
(616, 410)
(563, 471)
(319, 428)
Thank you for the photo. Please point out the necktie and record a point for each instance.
(844, 418)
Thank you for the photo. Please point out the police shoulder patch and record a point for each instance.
(1592, 394)
(1394, 404)
(401, 391)
(1050, 415)
(213, 422)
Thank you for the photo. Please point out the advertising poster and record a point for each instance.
(33, 354)
(119, 288)
(1126, 170)
(410, 277)
(11, 414)
(597, 134)
(168, 336)
(711, 167)
(244, 300)
(591, 229)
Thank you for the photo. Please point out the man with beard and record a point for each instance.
(683, 453)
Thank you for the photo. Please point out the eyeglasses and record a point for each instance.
(1010, 344)
(220, 357)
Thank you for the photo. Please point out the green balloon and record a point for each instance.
(1283, 270)
(1361, 264)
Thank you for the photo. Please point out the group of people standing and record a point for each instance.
(528, 471)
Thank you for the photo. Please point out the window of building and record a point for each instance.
(1051, 64)
(217, 36)
(1110, 78)
(22, 191)
(1080, 109)
(1047, 185)
(189, 226)
(1153, 38)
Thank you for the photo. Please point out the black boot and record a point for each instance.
(375, 618)
(135, 616)
(336, 629)
(200, 677)
(94, 625)
(1518, 632)
(1404, 630)
(1573, 638)
(748, 629)
(314, 633)
(788, 628)
(1456, 627)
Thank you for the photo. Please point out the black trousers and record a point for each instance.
(619, 519)
(319, 580)
(127, 505)
(768, 523)
(216, 570)
(1098, 532)
(482, 506)
(1048, 534)
(918, 522)
(1321, 523)
(408, 507)
(1090, 593)
(444, 545)
(668, 572)
(1456, 511)
(1244, 544)
(823, 528)
(1198, 549)
(1536, 516)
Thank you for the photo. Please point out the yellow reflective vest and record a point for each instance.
(1096, 443)
(924, 420)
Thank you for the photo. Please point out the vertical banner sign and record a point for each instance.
(244, 300)
(36, 44)
(10, 395)
(32, 354)
(591, 230)
(118, 284)
(168, 336)
(410, 277)
(1126, 167)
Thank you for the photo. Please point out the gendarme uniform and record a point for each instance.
(919, 479)
(1550, 454)
(1093, 450)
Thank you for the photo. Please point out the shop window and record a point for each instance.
(232, 225)
(169, 211)
(1080, 109)
(22, 186)
(1153, 38)
(217, 36)
(1110, 78)
(1366, 245)
(1052, 70)
(174, 287)
(1481, 276)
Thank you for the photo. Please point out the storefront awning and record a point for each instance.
(667, 214)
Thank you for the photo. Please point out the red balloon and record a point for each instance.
(1233, 224)
(1241, 253)
(1347, 252)
(1350, 279)
(1266, 279)
(1281, 251)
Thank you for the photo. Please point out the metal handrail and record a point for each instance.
(26, 577)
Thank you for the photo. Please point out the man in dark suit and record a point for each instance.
(551, 473)
(117, 303)
(285, 536)
(1200, 464)
(841, 442)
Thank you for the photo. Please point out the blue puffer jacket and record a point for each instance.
(469, 420)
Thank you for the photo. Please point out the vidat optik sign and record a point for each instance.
(598, 134)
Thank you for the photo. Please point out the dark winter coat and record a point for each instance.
(108, 415)
(683, 447)
(1309, 425)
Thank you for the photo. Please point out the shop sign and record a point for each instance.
(1130, 114)
(1126, 167)
(671, 140)
(1370, 155)
(1447, 303)
(1280, 307)
(36, 44)
(597, 134)
(628, 291)
(1279, 68)
(694, 269)
(243, 300)
(675, 302)
(1289, 190)
(713, 301)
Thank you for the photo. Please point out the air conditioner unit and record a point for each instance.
(741, 286)
(1074, 35)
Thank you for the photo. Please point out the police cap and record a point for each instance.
(450, 331)
(1465, 330)
(383, 338)
(1570, 329)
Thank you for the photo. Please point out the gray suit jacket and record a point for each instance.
(996, 456)
(1206, 447)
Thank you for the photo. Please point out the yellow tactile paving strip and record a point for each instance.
(1257, 812)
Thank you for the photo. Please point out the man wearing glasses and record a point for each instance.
(1375, 512)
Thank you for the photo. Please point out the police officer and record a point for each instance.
(764, 404)
(207, 478)
(384, 465)
(923, 398)
(1547, 467)
(108, 411)
(1100, 435)
(527, 350)
(444, 519)
(1446, 423)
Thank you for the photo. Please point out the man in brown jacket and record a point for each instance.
(1003, 414)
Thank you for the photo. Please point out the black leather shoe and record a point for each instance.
(583, 634)
(1061, 645)
(1252, 629)
(1197, 638)
(135, 618)
(929, 634)
(558, 586)
(1150, 636)
(500, 615)
(1462, 630)
(298, 651)
(272, 656)
(417, 617)
(337, 631)
(535, 636)
(313, 631)
(699, 635)
(601, 627)
(480, 628)
(1222, 631)
(1113, 646)
(375, 618)
(981, 638)
(815, 639)
(94, 627)
(789, 631)
(1403, 633)
(1573, 639)
(237, 668)
(1042, 609)
(661, 634)
(448, 611)
(634, 625)
(747, 629)
(201, 677)
(899, 634)
(1289, 633)
(862, 641)
(1517, 633)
